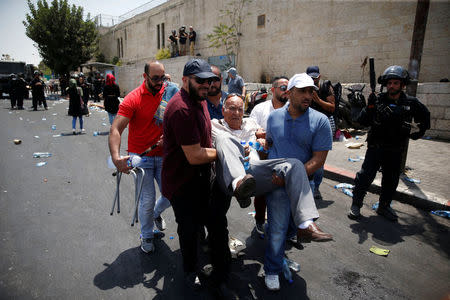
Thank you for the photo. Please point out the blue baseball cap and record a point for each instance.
(313, 71)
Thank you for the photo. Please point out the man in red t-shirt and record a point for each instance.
(186, 172)
(139, 110)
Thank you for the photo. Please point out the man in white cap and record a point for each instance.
(235, 83)
(294, 131)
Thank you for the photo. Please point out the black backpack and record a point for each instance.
(337, 89)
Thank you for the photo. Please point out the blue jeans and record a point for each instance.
(74, 122)
(318, 176)
(111, 118)
(152, 166)
(279, 222)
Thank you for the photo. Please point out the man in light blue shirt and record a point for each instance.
(294, 131)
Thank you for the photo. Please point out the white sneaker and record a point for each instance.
(83, 130)
(272, 282)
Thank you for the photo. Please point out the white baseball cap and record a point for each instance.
(301, 81)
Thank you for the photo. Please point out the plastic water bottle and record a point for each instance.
(135, 161)
(246, 162)
(41, 154)
(441, 213)
(53, 127)
(344, 186)
(354, 159)
(40, 164)
(293, 265)
(347, 192)
(286, 272)
(95, 133)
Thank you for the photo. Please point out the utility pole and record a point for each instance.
(415, 57)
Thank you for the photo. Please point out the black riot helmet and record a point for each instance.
(36, 73)
(394, 72)
(12, 76)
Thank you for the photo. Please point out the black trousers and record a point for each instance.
(13, 99)
(39, 98)
(196, 205)
(390, 162)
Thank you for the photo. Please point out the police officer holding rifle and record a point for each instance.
(393, 118)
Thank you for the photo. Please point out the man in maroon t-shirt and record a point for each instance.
(186, 172)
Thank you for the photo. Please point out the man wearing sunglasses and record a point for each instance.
(216, 96)
(138, 111)
(186, 173)
(261, 113)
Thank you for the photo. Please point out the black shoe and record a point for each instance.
(192, 281)
(388, 213)
(223, 292)
(245, 188)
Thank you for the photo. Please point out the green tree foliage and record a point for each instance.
(163, 53)
(229, 35)
(64, 39)
(44, 68)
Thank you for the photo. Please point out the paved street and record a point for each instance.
(59, 241)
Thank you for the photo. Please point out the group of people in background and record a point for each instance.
(180, 42)
(79, 92)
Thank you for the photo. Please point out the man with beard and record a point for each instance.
(186, 173)
(389, 116)
(295, 131)
(216, 96)
(139, 111)
(261, 113)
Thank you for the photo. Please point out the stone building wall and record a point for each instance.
(336, 35)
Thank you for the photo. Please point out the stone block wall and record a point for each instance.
(436, 96)
(336, 35)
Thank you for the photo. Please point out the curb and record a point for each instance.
(422, 201)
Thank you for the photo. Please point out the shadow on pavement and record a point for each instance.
(134, 267)
(422, 225)
(383, 232)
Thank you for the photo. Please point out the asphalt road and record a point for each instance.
(58, 240)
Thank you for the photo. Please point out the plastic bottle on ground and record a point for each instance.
(344, 186)
(41, 154)
(347, 192)
(293, 265)
(286, 272)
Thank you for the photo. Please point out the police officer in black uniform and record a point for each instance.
(389, 116)
(12, 85)
(37, 90)
(20, 87)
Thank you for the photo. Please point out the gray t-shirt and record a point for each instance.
(235, 85)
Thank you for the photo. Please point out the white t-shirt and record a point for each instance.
(245, 134)
(261, 113)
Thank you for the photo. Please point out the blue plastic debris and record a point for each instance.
(412, 179)
(441, 213)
